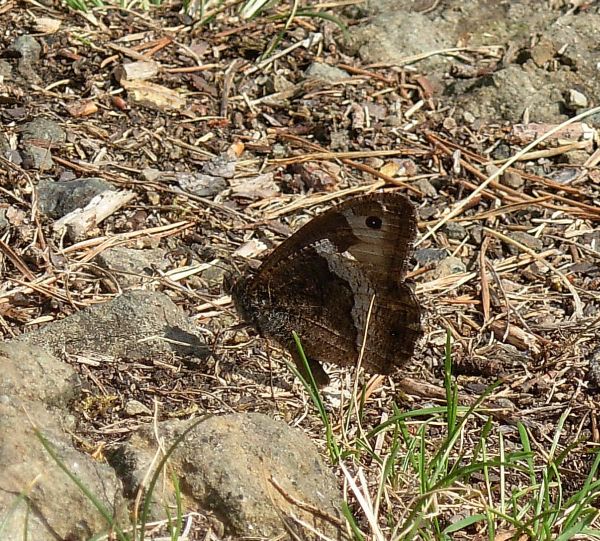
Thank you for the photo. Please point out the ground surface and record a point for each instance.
(514, 275)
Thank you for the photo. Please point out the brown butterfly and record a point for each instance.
(341, 270)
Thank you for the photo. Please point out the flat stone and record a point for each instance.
(576, 99)
(130, 267)
(446, 267)
(423, 256)
(455, 231)
(28, 49)
(138, 324)
(512, 179)
(37, 137)
(526, 239)
(426, 187)
(43, 129)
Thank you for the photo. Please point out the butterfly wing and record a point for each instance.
(322, 280)
(377, 229)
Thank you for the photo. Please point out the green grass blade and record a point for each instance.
(313, 390)
(358, 535)
(464, 523)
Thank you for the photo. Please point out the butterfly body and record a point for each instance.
(338, 282)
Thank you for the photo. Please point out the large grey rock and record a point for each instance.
(36, 495)
(135, 325)
(547, 55)
(509, 92)
(30, 373)
(248, 470)
(395, 34)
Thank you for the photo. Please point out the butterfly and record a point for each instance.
(339, 283)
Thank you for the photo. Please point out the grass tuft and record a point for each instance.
(448, 481)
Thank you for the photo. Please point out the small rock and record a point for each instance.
(340, 140)
(574, 157)
(214, 275)
(594, 371)
(279, 83)
(47, 25)
(200, 184)
(279, 150)
(476, 234)
(153, 197)
(250, 249)
(376, 111)
(543, 52)
(231, 463)
(43, 129)
(130, 267)
(17, 113)
(39, 158)
(455, 231)
(376, 163)
(468, 117)
(37, 138)
(318, 177)
(325, 72)
(223, 165)
(28, 49)
(428, 212)
(523, 238)
(426, 187)
(258, 187)
(423, 256)
(512, 179)
(450, 124)
(135, 407)
(576, 100)
(57, 199)
(446, 267)
(66, 175)
(151, 174)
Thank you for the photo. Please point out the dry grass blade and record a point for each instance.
(542, 260)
